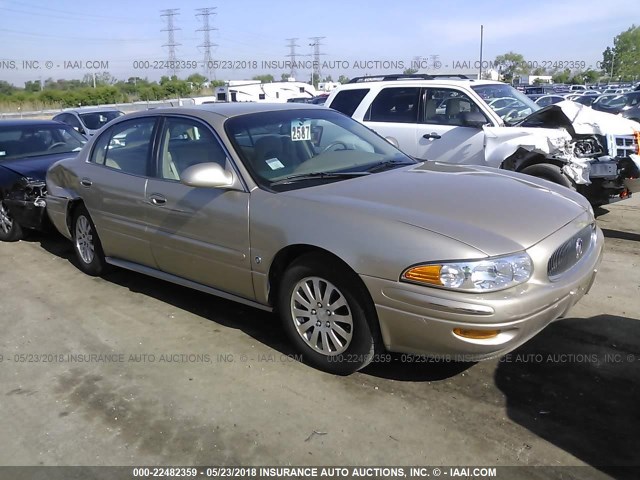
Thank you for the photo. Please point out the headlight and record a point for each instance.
(479, 276)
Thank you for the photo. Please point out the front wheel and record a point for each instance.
(10, 230)
(328, 315)
(550, 172)
(87, 244)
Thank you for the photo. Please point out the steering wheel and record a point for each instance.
(57, 144)
(335, 144)
(508, 116)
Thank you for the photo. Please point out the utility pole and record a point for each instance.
(169, 13)
(481, 40)
(316, 43)
(292, 56)
(206, 44)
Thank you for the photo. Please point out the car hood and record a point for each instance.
(496, 212)
(34, 167)
(580, 119)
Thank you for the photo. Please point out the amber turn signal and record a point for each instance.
(476, 334)
(424, 274)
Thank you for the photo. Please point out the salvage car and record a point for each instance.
(27, 149)
(468, 121)
(302, 210)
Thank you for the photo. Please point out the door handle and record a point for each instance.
(433, 135)
(157, 199)
(85, 182)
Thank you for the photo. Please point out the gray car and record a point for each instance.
(358, 248)
(88, 121)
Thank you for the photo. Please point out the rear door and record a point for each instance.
(113, 185)
(394, 114)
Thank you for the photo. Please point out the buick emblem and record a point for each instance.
(579, 248)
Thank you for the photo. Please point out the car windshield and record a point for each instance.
(510, 104)
(96, 120)
(38, 140)
(288, 149)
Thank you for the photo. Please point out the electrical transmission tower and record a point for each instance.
(171, 41)
(316, 43)
(206, 44)
(292, 56)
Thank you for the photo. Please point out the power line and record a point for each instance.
(316, 43)
(171, 42)
(206, 44)
(292, 55)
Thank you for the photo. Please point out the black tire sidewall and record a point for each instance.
(363, 343)
(551, 173)
(16, 233)
(96, 267)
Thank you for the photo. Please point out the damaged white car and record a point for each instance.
(458, 120)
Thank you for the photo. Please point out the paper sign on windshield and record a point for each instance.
(300, 131)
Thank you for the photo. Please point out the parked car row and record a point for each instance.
(301, 210)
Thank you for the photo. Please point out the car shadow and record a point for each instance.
(260, 325)
(576, 385)
(634, 237)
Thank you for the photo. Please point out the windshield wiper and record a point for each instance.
(387, 164)
(317, 175)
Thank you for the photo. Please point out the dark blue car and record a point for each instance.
(27, 149)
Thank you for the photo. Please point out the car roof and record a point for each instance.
(90, 110)
(418, 82)
(230, 109)
(28, 123)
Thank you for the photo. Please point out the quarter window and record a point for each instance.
(126, 146)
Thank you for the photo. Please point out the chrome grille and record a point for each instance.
(570, 252)
(625, 145)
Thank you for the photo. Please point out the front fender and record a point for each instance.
(60, 196)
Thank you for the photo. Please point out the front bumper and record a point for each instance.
(29, 213)
(420, 320)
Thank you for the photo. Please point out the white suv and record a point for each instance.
(459, 120)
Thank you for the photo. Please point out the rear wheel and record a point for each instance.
(328, 315)
(86, 243)
(550, 172)
(10, 230)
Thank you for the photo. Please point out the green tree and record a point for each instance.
(264, 78)
(343, 79)
(32, 86)
(562, 76)
(623, 59)
(197, 81)
(410, 71)
(511, 64)
(284, 77)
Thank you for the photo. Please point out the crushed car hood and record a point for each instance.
(34, 167)
(580, 119)
(478, 206)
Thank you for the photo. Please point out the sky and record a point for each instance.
(57, 38)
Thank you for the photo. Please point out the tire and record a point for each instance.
(550, 172)
(10, 230)
(86, 243)
(310, 285)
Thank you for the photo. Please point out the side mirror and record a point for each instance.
(207, 175)
(473, 119)
(392, 141)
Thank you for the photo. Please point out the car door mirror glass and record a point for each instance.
(207, 175)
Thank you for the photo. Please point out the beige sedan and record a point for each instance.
(302, 210)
